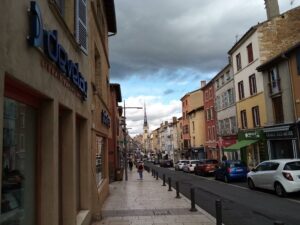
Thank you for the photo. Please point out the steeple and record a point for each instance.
(145, 117)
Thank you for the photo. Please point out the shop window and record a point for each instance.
(18, 163)
(100, 145)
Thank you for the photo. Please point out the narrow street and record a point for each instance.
(240, 205)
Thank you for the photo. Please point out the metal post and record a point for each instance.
(278, 223)
(164, 180)
(169, 180)
(193, 204)
(125, 142)
(156, 175)
(218, 212)
(177, 190)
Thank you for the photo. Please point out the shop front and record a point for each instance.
(197, 153)
(226, 141)
(250, 147)
(282, 141)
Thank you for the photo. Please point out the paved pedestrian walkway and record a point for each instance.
(147, 202)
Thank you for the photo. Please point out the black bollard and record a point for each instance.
(193, 204)
(169, 180)
(164, 180)
(177, 190)
(219, 212)
(156, 175)
(278, 223)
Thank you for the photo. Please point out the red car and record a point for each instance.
(207, 167)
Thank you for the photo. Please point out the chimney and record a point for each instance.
(203, 83)
(272, 8)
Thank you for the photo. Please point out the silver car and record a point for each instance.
(179, 164)
(189, 167)
(280, 175)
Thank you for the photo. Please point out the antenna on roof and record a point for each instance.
(236, 38)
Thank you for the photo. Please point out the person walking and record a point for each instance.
(130, 165)
(140, 170)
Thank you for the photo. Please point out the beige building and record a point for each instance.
(196, 124)
(54, 93)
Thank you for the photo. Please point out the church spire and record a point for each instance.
(145, 117)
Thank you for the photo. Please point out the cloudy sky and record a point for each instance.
(164, 48)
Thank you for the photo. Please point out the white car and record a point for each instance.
(190, 166)
(179, 164)
(280, 175)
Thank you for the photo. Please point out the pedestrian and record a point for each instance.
(130, 165)
(140, 170)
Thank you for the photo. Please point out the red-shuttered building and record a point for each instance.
(211, 144)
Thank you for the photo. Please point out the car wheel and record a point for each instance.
(226, 179)
(251, 184)
(279, 190)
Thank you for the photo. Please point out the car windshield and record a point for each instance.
(292, 166)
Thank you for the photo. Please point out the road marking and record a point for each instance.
(293, 200)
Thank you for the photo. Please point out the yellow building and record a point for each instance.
(196, 124)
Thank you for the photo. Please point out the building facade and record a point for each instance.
(211, 145)
(226, 110)
(259, 44)
(196, 124)
(281, 78)
(54, 149)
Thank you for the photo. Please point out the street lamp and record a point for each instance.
(125, 137)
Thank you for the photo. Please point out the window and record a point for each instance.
(241, 90)
(255, 115)
(210, 93)
(18, 163)
(193, 123)
(217, 83)
(213, 133)
(232, 124)
(244, 119)
(206, 95)
(250, 53)
(230, 96)
(278, 109)
(81, 24)
(212, 113)
(238, 62)
(274, 80)
(252, 84)
(222, 79)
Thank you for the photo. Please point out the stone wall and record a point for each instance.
(279, 34)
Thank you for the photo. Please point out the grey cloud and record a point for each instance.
(166, 35)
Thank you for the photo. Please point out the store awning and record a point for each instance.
(240, 144)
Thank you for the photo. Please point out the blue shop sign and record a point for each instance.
(48, 41)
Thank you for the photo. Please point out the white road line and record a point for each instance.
(293, 200)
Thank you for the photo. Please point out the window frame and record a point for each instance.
(238, 62)
(252, 84)
(241, 90)
(244, 122)
(256, 116)
(250, 53)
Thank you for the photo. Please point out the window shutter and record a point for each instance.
(81, 24)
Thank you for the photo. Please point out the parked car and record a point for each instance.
(190, 165)
(179, 164)
(166, 163)
(280, 175)
(231, 170)
(206, 167)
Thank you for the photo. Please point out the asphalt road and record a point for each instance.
(240, 206)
